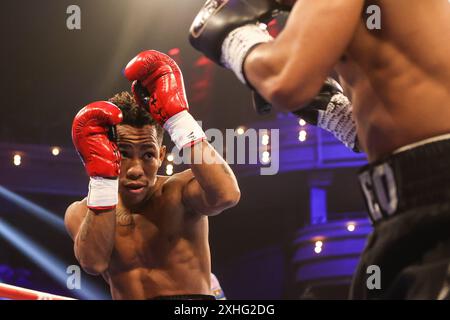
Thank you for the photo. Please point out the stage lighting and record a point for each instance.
(265, 157)
(17, 159)
(318, 247)
(302, 135)
(240, 130)
(265, 139)
(46, 261)
(169, 169)
(39, 212)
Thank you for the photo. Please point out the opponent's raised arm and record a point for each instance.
(290, 70)
(287, 71)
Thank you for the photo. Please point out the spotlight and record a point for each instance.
(38, 211)
(56, 151)
(302, 135)
(17, 159)
(318, 247)
(47, 262)
(240, 130)
(170, 157)
(265, 139)
(351, 227)
(302, 122)
(265, 157)
(169, 169)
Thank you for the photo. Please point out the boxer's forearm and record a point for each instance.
(214, 176)
(95, 240)
(290, 70)
(267, 70)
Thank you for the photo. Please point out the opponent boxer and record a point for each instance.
(147, 234)
(398, 79)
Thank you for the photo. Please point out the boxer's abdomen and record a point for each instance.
(160, 255)
(400, 75)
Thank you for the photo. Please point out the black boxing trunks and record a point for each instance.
(408, 200)
(185, 297)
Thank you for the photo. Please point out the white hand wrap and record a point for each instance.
(184, 130)
(337, 119)
(103, 193)
(237, 45)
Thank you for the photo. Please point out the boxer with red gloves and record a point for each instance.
(157, 84)
(91, 129)
(153, 242)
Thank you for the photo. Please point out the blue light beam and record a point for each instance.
(34, 209)
(47, 262)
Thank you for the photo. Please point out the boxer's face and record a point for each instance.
(141, 158)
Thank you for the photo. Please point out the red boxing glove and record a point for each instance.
(158, 86)
(101, 158)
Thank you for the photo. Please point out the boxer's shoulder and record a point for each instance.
(74, 215)
(178, 180)
(76, 207)
(172, 186)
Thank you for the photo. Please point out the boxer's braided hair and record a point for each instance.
(133, 114)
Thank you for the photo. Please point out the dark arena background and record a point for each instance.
(297, 234)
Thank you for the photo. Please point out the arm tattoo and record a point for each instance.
(85, 226)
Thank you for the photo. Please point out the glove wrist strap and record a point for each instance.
(238, 44)
(337, 119)
(103, 193)
(184, 130)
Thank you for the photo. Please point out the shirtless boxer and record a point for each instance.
(147, 234)
(398, 80)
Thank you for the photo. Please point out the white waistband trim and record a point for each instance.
(422, 142)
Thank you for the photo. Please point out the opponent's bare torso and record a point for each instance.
(400, 75)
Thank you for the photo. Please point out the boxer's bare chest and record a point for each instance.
(145, 239)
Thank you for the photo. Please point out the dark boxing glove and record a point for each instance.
(217, 18)
(227, 30)
(332, 111)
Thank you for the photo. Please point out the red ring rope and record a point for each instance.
(18, 293)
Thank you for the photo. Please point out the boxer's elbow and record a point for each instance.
(93, 268)
(290, 95)
(229, 199)
(91, 264)
(226, 200)
(233, 197)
